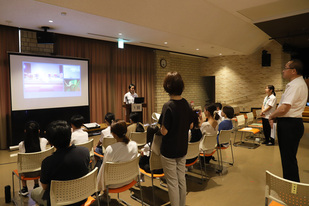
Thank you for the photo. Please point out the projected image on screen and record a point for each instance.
(44, 80)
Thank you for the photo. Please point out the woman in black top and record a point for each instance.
(175, 120)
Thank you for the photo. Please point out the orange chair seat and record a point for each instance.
(188, 165)
(123, 188)
(259, 126)
(274, 203)
(223, 147)
(22, 177)
(98, 155)
(253, 130)
(149, 174)
(208, 155)
(89, 201)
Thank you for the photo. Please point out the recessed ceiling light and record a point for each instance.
(220, 54)
(197, 49)
(165, 42)
(119, 34)
(50, 21)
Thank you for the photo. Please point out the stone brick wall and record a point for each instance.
(241, 80)
(190, 69)
(29, 44)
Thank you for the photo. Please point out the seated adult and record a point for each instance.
(123, 150)
(135, 125)
(226, 124)
(67, 163)
(146, 150)
(195, 133)
(31, 143)
(78, 135)
(106, 133)
(210, 127)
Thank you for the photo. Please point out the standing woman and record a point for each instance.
(268, 107)
(175, 120)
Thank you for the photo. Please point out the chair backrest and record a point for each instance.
(155, 161)
(139, 137)
(72, 191)
(240, 120)
(120, 172)
(250, 118)
(286, 192)
(236, 110)
(108, 141)
(225, 136)
(208, 142)
(258, 114)
(31, 162)
(193, 150)
(88, 145)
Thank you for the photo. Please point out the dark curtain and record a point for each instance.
(111, 70)
(8, 43)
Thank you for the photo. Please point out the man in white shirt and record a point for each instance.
(290, 125)
(78, 135)
(130, 96)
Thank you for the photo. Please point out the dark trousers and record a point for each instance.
(266, 129)
(290, 131)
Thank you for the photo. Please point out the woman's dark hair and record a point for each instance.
(211, 108)
(119, 128)
(151, 131)
(58, 134)
(134, 116)
(173, 83)
(228, 111)
(271, 87)
(195, 119)
(132, 85)
(218, 105)
(110, 117)
(77, 120)
(32, 139)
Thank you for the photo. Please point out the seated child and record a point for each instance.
(32, 143)
(78, 135)
(135, 125)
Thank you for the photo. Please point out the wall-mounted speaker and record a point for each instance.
(266, 59)
(44, 37)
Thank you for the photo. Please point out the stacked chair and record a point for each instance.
(224, 142)
(73, 191)
(241, 127)
(28, 163)
(120, 172)
(279, 191)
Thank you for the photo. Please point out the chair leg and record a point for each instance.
(107, 196)
(232, 153)
(153, 190)
(140, 189)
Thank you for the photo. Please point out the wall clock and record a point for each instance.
(163, 63)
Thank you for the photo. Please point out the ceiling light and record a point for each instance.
(220, 54)
(197, 49)
(119, 34)
(50, 21)
(165, 42)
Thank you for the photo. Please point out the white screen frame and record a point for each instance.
(18, 102)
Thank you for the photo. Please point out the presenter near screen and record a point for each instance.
(130, 95)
